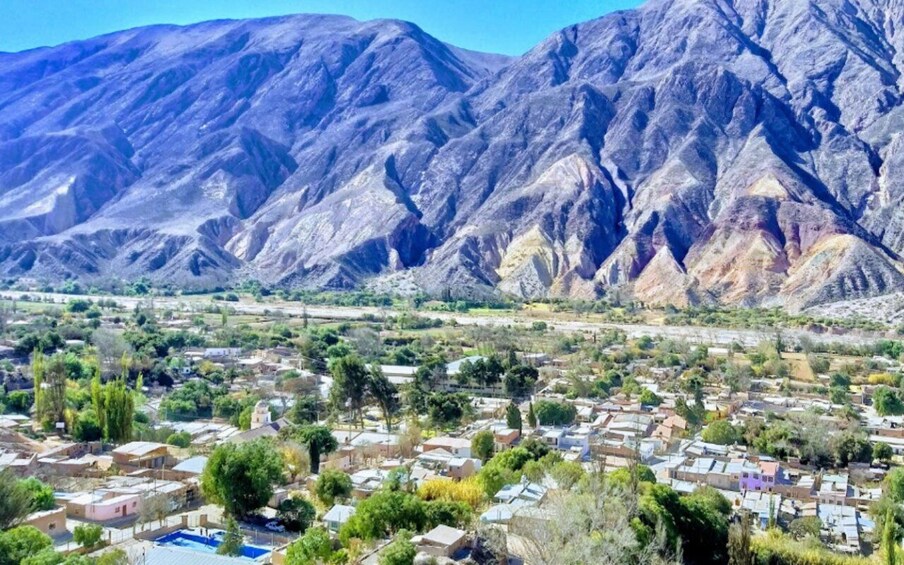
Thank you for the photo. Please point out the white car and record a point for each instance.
(275, 527)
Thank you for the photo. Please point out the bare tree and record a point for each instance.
(110, 350)
(592, 525)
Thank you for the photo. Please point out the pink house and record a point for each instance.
(102, 506)
(760, 478)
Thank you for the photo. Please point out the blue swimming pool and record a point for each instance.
(206, 544)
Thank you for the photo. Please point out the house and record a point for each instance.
(505, 438)
(267, 430)
(101, 506)
(462, 467)
(522, 492)
(457, 446)
(141, 455)
(261, 415)
(442, 541)
(51, 522)
(221, 352)
(189, 468)
(338, 515)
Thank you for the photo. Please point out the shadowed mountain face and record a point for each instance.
(739, 151)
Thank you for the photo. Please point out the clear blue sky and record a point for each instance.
(500, 26)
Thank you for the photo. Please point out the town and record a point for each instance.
(247, 427)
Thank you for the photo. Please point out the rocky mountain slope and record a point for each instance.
(736, 151)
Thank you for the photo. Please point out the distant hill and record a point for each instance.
(734, 151)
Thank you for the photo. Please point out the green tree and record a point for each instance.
(520, 380)
(232, 540)
(306, 410)
(119, 411)
(894, 484)
(384, 393)
(320, 441)
(332, 485)
(882, 452)
(15, 500)
(531, 416)
(314, 547)
(649, 398)
(87, 535)
(552, 413)
(483, 444)
(241, 477)
(350, 386)
(888, 402)
(720, 432)
(513, 417)
(800, 528)
(890, 539)
(41, 494)
(297, 514)
(399, 552)
(53, 394)
(87, 427)
(20, 542)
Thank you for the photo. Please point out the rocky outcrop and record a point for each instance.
(734, 151)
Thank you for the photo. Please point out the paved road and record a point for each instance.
(691, 334)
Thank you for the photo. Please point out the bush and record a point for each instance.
(87, 535)
(468, 491)
(399, 552)
(179, 439)
(296, 514)
(331, 485)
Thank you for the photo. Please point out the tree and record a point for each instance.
(720, 432)
(241, 477)
(350, 386)
(649, 398)
(232, 540)
(320, 441)
(314, 547)
(551, 413)
(119, 411)
(15, 500)
(332, 484)
(483, 444)
(894, 484)
(513, 417)
(87, 535)
(448, 409)
(296, 514)
(739, 552)
(87, 427)
(52, 408)
(888, 402)
(520, 380)
(306, 409)
(882, 452)
(20, 542)
(800, 528)
(384, 393)
(531, 416)
(41, 494)
(399, 552)
(889, 539)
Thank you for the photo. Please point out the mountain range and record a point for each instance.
(689, 151)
